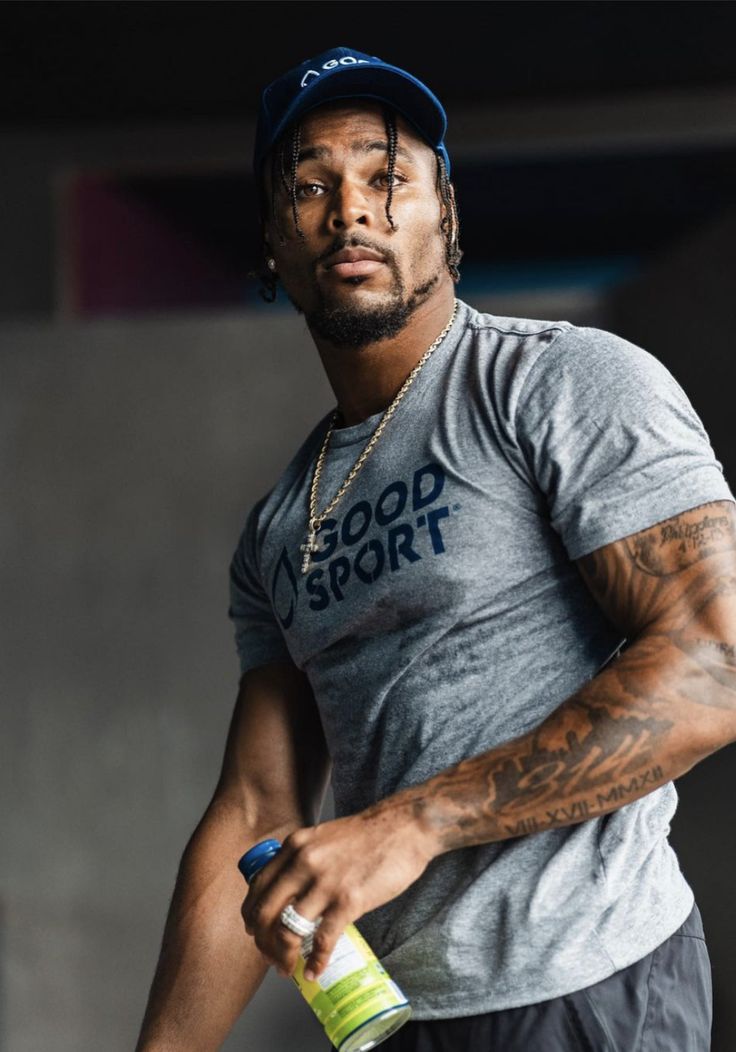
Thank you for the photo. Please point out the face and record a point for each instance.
(354, 276)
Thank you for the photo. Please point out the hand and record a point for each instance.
(338, 871)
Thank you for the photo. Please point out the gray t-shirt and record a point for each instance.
(444, 615)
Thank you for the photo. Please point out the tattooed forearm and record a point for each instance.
(668, 701)
(630, 730)
(592, 755)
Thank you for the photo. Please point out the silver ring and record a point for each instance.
(296, 923)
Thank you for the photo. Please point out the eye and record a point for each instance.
(306, 190)
(383, 180)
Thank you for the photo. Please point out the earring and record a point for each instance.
(271, 263)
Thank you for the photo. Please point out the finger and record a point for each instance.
(310, 906)
(259, 885)
(264, 881)
(251, 897)
(278, 885)
(275, 948)
(264, 920)
(334, 922)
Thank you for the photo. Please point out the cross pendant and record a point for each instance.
(309, 548)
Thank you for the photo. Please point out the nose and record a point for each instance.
(350, 206)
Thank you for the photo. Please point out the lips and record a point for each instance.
(354, 262)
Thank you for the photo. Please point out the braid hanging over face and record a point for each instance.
(281, 172)
(392, 141)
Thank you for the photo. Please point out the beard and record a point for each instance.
(355, 325)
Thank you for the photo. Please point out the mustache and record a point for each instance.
(353, 241)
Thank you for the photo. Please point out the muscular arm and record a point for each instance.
(272, 781)
(668, 701)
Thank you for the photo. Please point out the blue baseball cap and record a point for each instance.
(342, 73)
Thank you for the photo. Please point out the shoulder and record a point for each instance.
(534, 371)
(529, 359)
(521, 339)
(509, 347)
(531, 348)
(495, 327)
(595, 373)
(498, 353)
(599, 355)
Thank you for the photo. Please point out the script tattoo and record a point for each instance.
(680, 542)
(579, 810)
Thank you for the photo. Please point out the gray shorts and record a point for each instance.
(662, 1003)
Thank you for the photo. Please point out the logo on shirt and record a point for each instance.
(403, 526)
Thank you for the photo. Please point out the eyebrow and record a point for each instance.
(320, 153)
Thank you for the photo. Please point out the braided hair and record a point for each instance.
(450, 222)
(281, 170)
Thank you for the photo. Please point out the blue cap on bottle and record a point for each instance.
(258, 856)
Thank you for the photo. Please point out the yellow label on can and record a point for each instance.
(353, 988)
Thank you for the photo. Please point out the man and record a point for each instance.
(433, 601)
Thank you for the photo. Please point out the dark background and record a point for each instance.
(115, 61)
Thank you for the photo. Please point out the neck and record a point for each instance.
(366, 380)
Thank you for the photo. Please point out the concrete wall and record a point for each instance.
(131, 453)
(130, 456)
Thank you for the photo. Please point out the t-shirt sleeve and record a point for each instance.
(612, 440)
(258, 637)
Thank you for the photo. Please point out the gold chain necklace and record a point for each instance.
(315, 520)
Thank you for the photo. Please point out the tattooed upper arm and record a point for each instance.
(678, 577)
